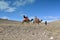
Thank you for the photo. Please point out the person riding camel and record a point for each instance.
(25, 18)
(36, 19)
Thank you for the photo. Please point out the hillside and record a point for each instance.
(8, 21)
(14, 30)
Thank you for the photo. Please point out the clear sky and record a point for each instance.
(44, 9)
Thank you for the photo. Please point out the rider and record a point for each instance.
(36, 19)
(25, 18)
(45, 22)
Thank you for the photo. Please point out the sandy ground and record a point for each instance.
(29, 32)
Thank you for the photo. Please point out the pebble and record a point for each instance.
(51, 38)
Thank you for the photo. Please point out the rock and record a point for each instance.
(1, 29)
(51, 37)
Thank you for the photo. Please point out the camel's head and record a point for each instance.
(32, 19)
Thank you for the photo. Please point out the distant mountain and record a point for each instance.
(8, 21)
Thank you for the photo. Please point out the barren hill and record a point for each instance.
(14, 30)
(8, 21)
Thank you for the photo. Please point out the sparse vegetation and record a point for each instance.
(14, 30)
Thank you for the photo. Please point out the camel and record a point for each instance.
(36, 20)
(26, 19)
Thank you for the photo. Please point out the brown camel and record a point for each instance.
(36, 20)
(26, 19)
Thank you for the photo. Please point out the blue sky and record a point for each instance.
(44, 9)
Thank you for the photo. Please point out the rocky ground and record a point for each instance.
(20, 31)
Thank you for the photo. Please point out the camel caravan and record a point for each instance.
(35, 20)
